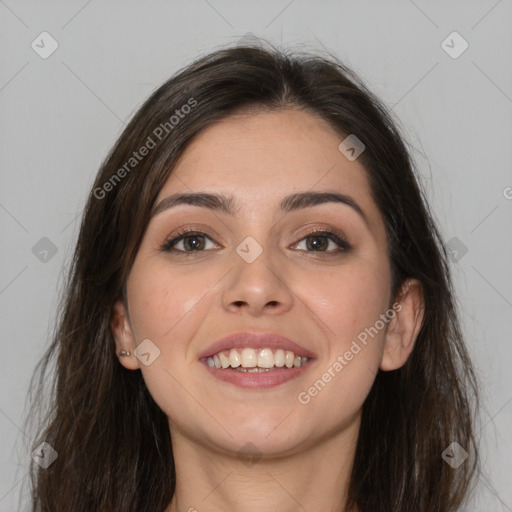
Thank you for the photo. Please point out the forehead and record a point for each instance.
(259, 157)
(259, 149)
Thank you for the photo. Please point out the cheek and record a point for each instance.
(348, 305)
(346, 301)
(161, 299)
(168, 307)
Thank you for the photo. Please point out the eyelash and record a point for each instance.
(344, 245)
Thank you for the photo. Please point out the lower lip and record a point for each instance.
(260, 380)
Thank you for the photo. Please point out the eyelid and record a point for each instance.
(324, 229)
(200, 229)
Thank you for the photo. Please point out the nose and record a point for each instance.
(257, 288)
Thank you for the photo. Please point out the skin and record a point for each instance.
(183, 303)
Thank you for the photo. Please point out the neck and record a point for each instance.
(312, 478)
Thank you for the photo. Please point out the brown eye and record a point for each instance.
(325, 242)
(317, 243)
(194, 242)
(188, 242)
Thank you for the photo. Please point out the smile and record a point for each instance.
(255, 368)
(250, 359)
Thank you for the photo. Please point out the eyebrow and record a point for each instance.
(228, 204)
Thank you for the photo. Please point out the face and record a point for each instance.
(321, 279)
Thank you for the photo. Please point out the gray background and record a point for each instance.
(60, 116)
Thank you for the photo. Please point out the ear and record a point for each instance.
(403, 329)
(123, 336)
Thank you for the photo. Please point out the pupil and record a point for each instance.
(194, 242)
(317, 242)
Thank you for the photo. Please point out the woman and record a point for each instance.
(259, 313)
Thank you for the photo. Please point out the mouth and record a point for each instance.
(253, 360)
(256, 361)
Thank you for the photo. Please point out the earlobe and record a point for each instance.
(403, 329)
(123, 336)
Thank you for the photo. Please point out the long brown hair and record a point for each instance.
(112, 440)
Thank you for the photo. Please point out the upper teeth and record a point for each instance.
(252, 358)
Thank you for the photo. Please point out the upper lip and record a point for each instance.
(257, 340)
